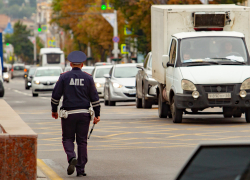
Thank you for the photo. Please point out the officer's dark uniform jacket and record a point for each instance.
(78, 90)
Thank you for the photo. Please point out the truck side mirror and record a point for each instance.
(165, 60)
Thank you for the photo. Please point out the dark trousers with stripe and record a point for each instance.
(76, 126)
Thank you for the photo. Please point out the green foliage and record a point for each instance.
(22, 45)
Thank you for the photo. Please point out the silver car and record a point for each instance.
(120, 84)
(99, 79)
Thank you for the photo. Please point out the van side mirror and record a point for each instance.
(106, 75)
(165, 60)
(140, 67)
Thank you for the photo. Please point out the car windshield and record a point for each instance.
(20, 68)
(88, 70)
(101, 71)
(47, 72)
(125, 72)
(32, 71)
(214, 49)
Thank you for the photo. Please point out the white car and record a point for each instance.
(120, 84)
(98, 76)
(45, 79)
(88, 69)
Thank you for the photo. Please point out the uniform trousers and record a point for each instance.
(76, 126)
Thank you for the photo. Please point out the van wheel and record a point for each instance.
(247, 115)
(237, 114)
(34, 94)
(176, 113)
(162, 106)
(145, 103)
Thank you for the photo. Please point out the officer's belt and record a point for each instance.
(64, 113)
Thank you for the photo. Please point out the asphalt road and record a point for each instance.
(128, 143)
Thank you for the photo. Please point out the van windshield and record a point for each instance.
(53, 58)
(217, 50)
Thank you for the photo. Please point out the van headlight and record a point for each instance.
(245, 85)
(116, 85)
(36, 82)
(187, 85)
(6, 76)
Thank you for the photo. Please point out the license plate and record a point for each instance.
(219, 95)
(132, 91)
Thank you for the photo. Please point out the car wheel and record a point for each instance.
(138, 100)
(145, 103)
(162, 106)
(111, 103)
(106, 102)
(27, 87)
(237, 113)
(34, 94)
(176, 113)
(247, 115)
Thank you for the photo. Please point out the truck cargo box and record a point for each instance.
(167, 20)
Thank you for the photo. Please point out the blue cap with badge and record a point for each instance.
(77, 57)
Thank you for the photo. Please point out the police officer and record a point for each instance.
(78, 91)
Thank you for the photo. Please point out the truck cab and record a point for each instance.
(205, 63)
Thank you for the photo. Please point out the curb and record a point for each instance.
(51, 175)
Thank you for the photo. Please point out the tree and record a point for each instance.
(17, 2)
(23, 48)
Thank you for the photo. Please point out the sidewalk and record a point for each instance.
(40, 175)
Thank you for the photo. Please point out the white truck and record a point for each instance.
(52, 57)
(200, 59)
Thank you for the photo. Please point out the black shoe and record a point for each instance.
(71, 167)
(81, 175)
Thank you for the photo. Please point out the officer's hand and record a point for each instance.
(96, 120)
(54, 115)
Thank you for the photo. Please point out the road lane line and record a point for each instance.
(47, 170)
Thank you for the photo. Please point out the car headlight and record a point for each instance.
(116, 85)
(188, 85)
(98, 85)
(37, 82)
(5, 75)
(245, 85)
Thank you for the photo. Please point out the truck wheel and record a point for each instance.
(162, 106)
(145, 103)
(247, 115)
(176, 113)
(34, 94)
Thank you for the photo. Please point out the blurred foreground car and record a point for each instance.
(146, 86)
(218, 161)
(29, 77)
(17, 70)
(99, 79)
(45, 79)
(120, 84)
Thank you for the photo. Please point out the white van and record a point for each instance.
(52, 57)
(200, 61)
